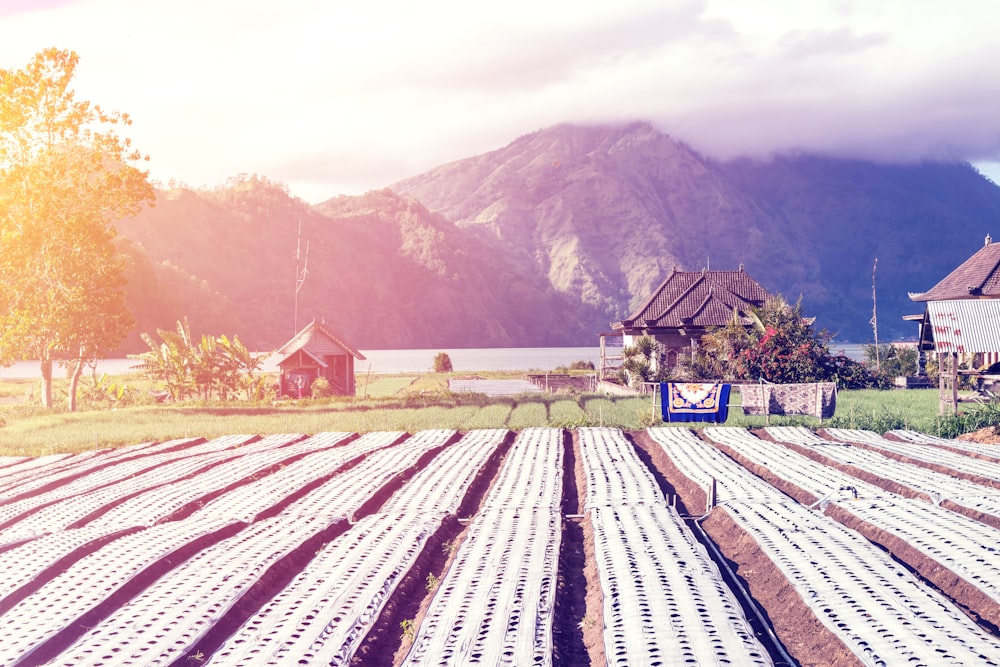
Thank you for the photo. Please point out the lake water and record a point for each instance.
(422, 361)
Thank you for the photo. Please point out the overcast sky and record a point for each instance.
(340, 97)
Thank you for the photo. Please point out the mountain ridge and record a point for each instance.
(803, 225)
(547, 240)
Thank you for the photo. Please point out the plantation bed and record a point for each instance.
(388, 548)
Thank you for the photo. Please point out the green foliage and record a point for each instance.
(982, 416)
(527, 414)
(409, 630)
(879, 419)
(320, 388)
(219, 366)
(105, 392)
(889, 361)
(643, 361)
(385, 385)
(494, 415)
(567, 414)
(779, 347)
(579, 365)
(65, 178)
(718, 351)
(442, 363)
(31, 430)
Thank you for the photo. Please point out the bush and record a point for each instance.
(579, 365)
(850, 374)
(442, 363)
(320, 388)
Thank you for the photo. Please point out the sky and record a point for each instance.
(337, 97)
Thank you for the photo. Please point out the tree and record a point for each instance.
(212, 365)
(643, 361)
(779, 346)
(888, 361)
(65, 178)
(442, 363)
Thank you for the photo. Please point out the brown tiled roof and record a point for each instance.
(318, 342)
(975, 278)
(699, 299)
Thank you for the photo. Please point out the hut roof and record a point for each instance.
(965, 326)
(318, 342)
(976, 278)
(698, 299)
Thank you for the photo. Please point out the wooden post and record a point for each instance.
(947, 383)
(954, 383)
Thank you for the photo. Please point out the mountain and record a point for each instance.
(608, 210)
(382, 271)
(546, 241)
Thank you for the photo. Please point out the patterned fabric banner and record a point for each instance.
(816, 399)
(694, 401)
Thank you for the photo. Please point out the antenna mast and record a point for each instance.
(300, 275)
(874, 321)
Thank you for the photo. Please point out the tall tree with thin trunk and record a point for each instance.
(66, 177)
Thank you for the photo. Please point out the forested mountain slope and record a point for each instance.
(609, 210)
(549, 239)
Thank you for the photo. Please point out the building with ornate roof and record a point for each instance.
(686, 306)
(316, 352)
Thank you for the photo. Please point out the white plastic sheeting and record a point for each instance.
(156, 504)
(704, 465)
(614, 474)
(494, 605)
(71, 502)
(40, 471)
(249, 500)
(440, 488)
(884, 615)
(979, 448)
(966, 547)
(90, 581)
(150, 456)
(664, 600)
(158, 625)
(988, 470)
(933, 484)
(23, 563)
(324, 613)
(816, 478)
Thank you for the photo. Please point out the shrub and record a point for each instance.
(442, 363)
(579, 365)
(644, 362)
(320, 388)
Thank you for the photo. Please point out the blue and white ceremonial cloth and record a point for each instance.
(694, 401)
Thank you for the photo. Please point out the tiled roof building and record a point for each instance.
(976, 278)
(698, 299)
(689, 304)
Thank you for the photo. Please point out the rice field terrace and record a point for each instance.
(545, 546)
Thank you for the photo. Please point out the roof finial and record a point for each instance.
(989, 239)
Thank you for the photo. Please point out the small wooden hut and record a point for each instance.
(312, 353)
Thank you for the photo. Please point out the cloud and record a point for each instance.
(325, 96)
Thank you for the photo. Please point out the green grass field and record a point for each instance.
(410, 403)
